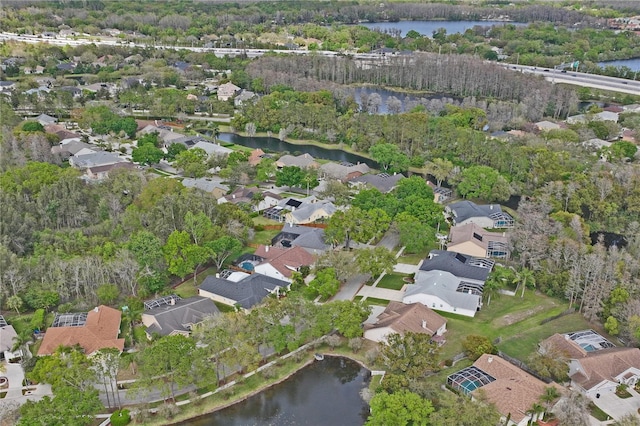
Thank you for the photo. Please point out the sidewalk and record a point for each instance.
(381, 293)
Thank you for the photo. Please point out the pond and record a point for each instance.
(407, 100)
(633, 64)
(276, 145)
(428, 27)
(324, 393)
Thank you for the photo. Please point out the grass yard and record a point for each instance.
(265, 237)
(372, 301)
(596, 412)
(224, 308)
(261, 220)
(392, 281)
(515, 320)
(188, 289)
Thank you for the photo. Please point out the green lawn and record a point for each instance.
(515, 320)
(261, 220)
(223, 307)
(372, 301)
(265, 237)
(188, 289)
(596, 412)
(392, 281)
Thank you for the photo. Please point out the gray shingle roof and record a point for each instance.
(100, 158)
(306, 237)
(443, 285)
(464, 210)
(185, 312)
(382, 182)
(247, 292)
(204, 184)
(460, 265)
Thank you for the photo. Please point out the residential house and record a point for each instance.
(244, 97)
(473, 240)
(212, 186)
(212, 149)
(600, 372)
(450, 282)
(227, 90)
(486, 216)
(66, 136)
(512, 390)
(40, 91)
(601, 116)
(300, 212)
(98, 158)
(45, 119)
(343, 171)
(596, 144)
(72, 148)
(468, 268)
(310, 212)
(76, 92)
(102, 172)
(445, 292)
(240, 289)
(440, 194)
(545, 126)
(310, 239)
(110, 88)
(257, 200)
(38, 69)
(7, 86)
(173, 315)
(383, 182)
(66, 66)
(7, 339)
(304, 161)
(256, 156)
(399, 318)
(280, 263)
(576, 344)
(95, 330)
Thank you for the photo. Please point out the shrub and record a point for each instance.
(120, 417)
(448, 362)
(37, 321)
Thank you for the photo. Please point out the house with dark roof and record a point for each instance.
(512, 390)
(468, 268)
(473, 240)
(383, 182)
(98, 158)
(600, 372)
(310, 239)
(399, 318)
(240, 289)
(485, 216)
(92, 331)
(281, 263)
(173, 315)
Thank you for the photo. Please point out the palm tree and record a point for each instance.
(497, 280)
(550, 394)
(536, 411)
(523, 277)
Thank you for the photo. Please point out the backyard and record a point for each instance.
(515, 321)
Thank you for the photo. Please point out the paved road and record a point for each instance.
(575, 78)
(351, 287)
(580, 79)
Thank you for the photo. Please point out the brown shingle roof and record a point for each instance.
(285, 260)
(514, 391)
(463, 233)
(605, 364)
(561, 344)
(99, 331)
(408, 318)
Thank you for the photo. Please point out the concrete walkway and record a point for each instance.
(15, 374)
(405, 268)
(617, 407)
(381, 293)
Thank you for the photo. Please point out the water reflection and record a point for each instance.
(325, 393)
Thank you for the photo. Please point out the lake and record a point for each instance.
(276, 145)
(633, 64)
(409, 100)
(324, 393)
(428, 27)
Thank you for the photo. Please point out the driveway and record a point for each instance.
(381, 293)
(15, 374)
(349, 290)
(617, 407)
(390, 240)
